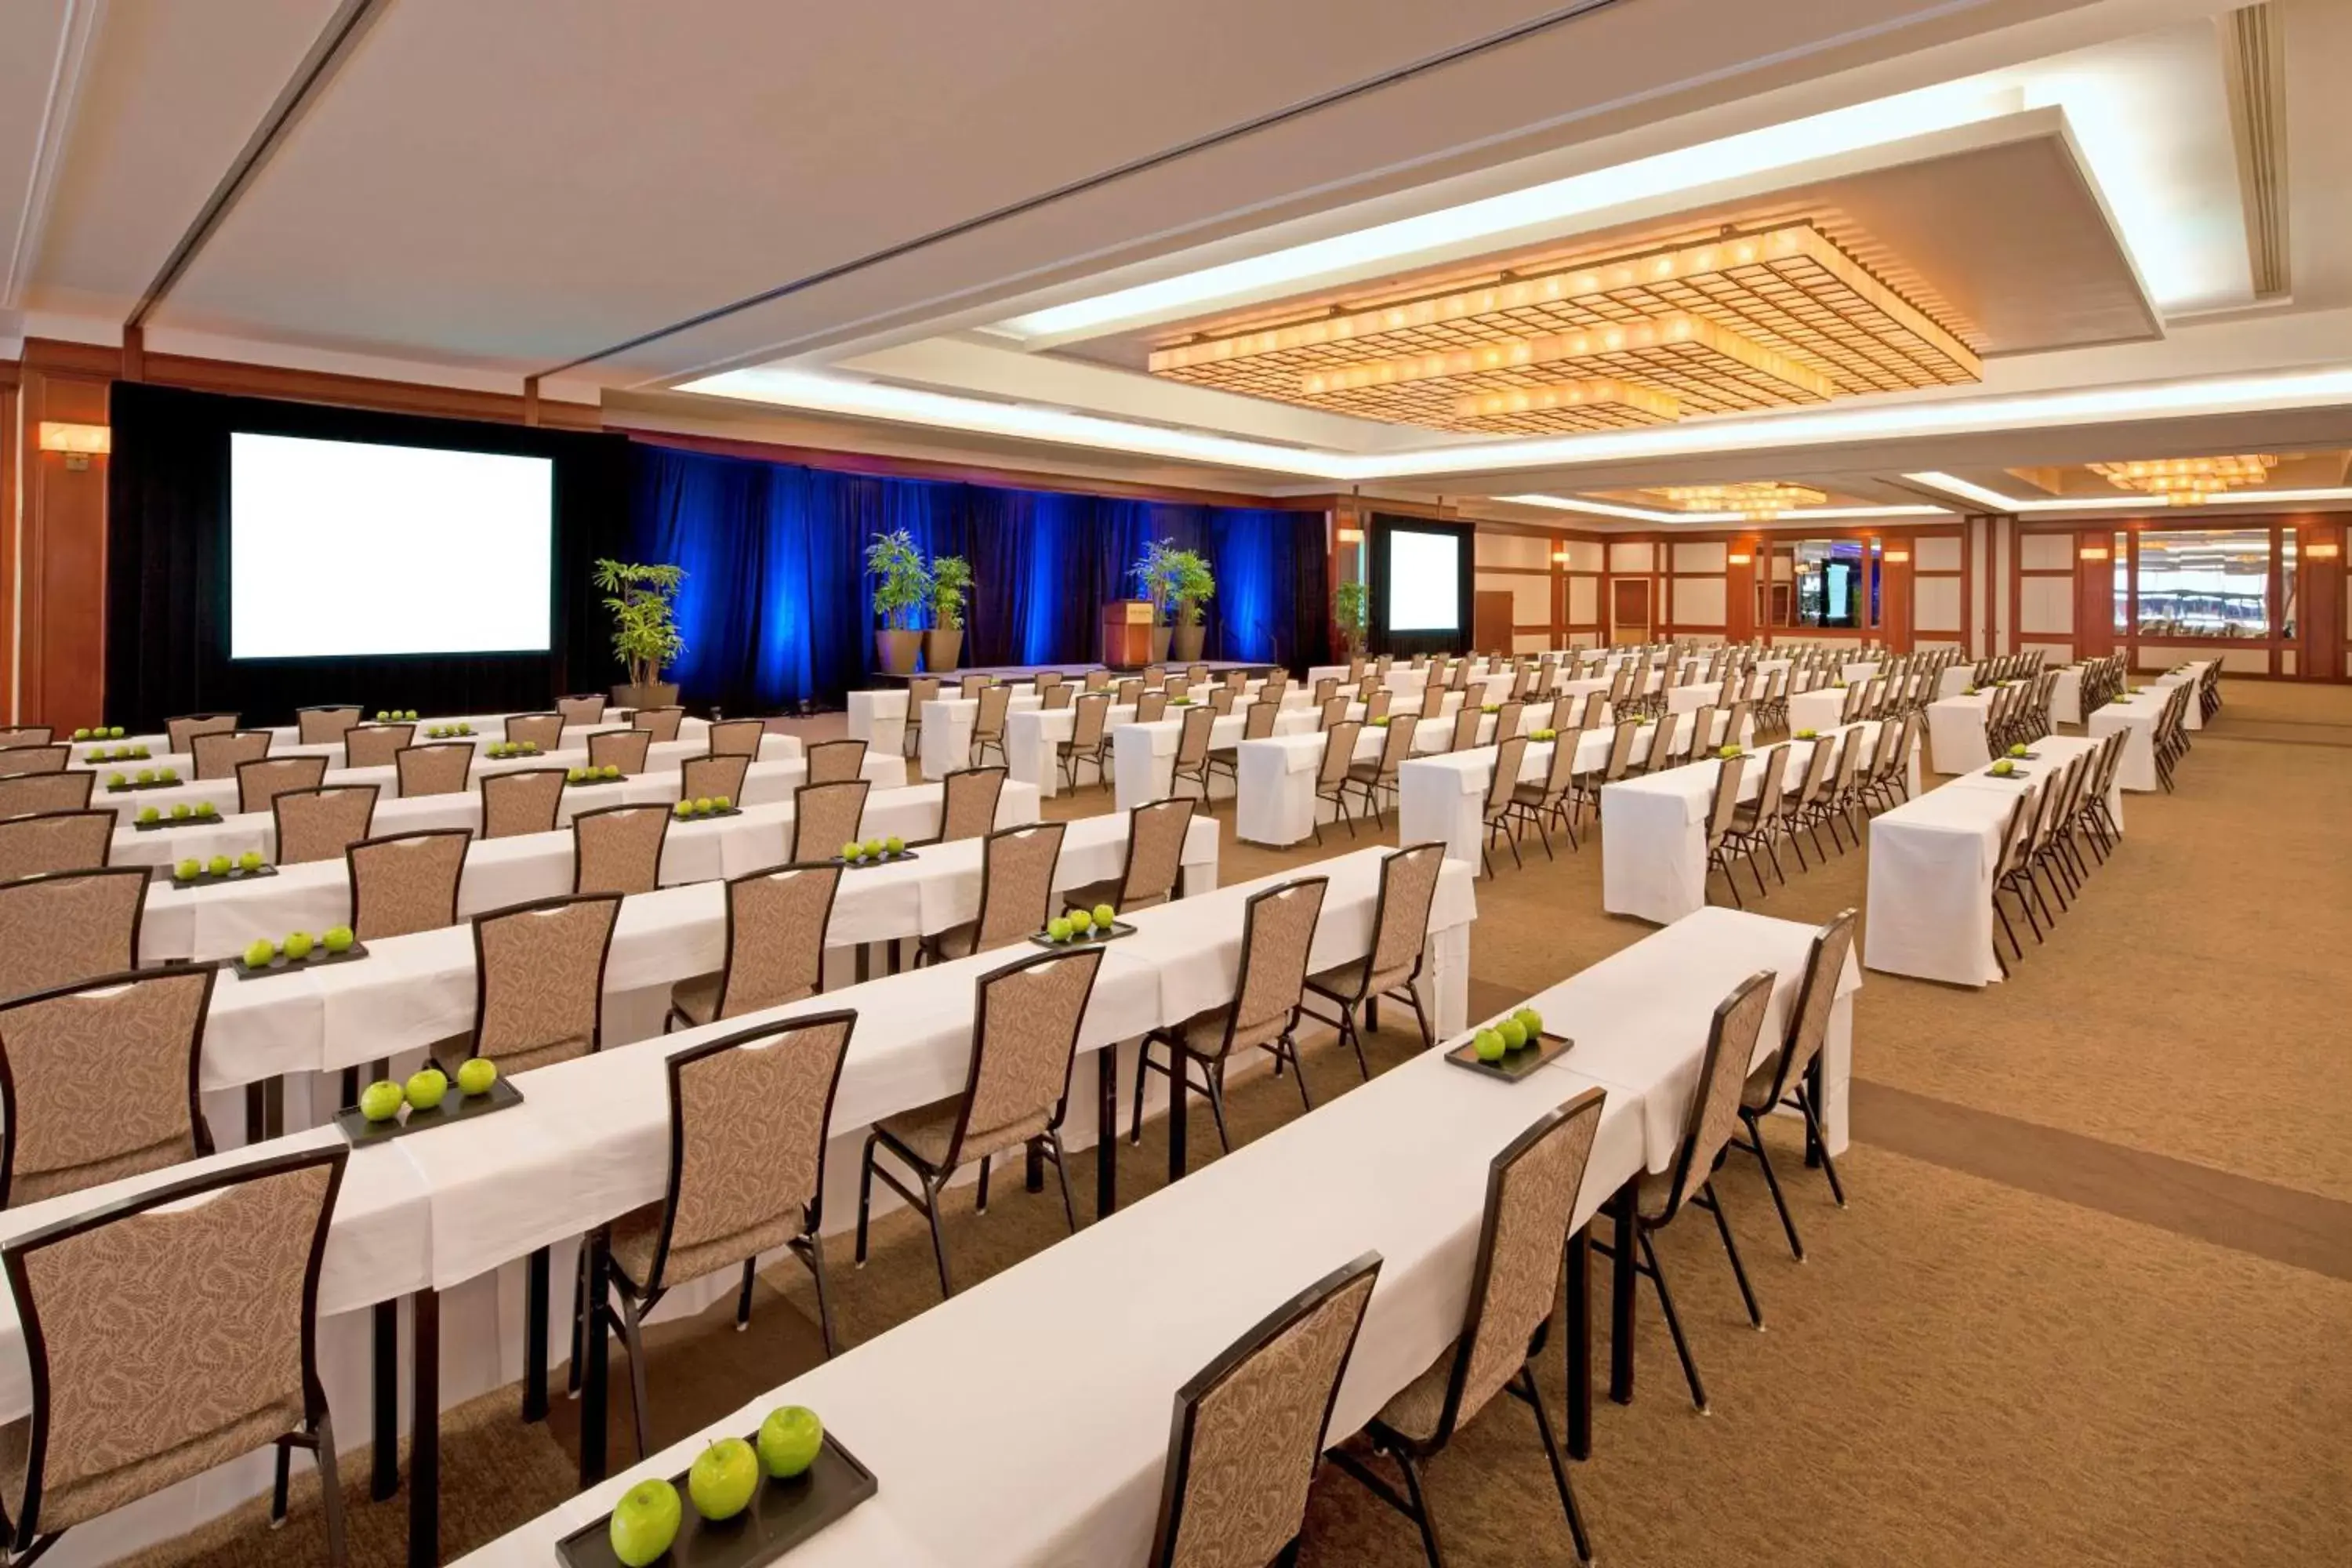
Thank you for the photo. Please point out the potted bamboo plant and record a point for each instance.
(1190, 584)
(951, 585)
(644, 628)
(900, 588)
(1155, 578)
(1348, 608)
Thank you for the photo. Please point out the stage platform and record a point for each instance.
(1012, 674)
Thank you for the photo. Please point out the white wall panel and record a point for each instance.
(1583, 600)
(2045, 605)
(1936, 604)
(1937, 556)
(1513, 550)
(2045, 552)
(1583, 554)
(1698, 601)
(1630, 555)
(1701, 556)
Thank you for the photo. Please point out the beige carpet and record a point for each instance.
(2055, 1327)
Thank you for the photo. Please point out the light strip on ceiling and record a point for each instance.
(1650, 514)
(1993, 501)
(1570, 394)
(1630, 337)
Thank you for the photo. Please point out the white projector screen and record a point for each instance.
(338, 548)
(1424, 582)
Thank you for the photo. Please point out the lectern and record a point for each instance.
(1126, 634)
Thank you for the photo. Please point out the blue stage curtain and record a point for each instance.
(776, 606)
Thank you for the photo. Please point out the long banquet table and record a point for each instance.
(1143, 756)
(2138, 716)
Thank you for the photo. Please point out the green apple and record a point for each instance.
(299, 944)
(98, 755)
(1808, 734)
(895, 844)
(115, 733)
(531, 748)
(1488, 708)
(1488, 1044)
(81, 734)
(612, 770)
(1529, 1020)
(1082, 922)
(140, 752)
(573, 776)
(702, 806)
(149, 814)
(1731, 750)
(188, 870)
(1514, 1033)
(384, 716)
(723, 1478)
(206, 808)
(645, 1522)
(2003, 768)
(853, 852)
(115, 780)
(250, 860)
(381, 1101)
(789, 1440)
(682, 809)
(1059, 928)
(169, 775)
(727, 802)
(2018, 752)
(476, 1074)
(1105, 915)
(259, 954)
(146, 775)
(337, 939)
(218, 864)
(426, 1087)
(1382, 723)
(873, 846)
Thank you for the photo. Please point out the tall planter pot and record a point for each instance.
(895, 651)
(645, 694)
(941, 649)
(1159, 644)
(1186, 644)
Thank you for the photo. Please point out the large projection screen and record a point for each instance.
(349, 548)
(1424, 582)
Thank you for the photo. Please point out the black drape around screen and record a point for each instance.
(167, 623)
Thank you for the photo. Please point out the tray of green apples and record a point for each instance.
(100, 732)
(1084, 928)
(609, 774)
(184, 813)
(433, 1096)
(194, 873)
(97, 754)
(703, 807)
(1509, 1048)
(145, 778)
(297, 950)
(873, 852)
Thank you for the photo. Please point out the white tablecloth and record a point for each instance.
(1822, 709)
(1032, 735)
(2136, 717)
(1144, 756)
(878, 718)
(2190, 674)
(1955, 733)
(2066, 696)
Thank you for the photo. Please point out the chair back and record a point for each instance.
(1098, 680)
(1129, 692)
(1775, 787)
(260, 783)
(218, 754)
(1016, 883)
(1277, 933)
(1377, 704)
(1155, 852)
(831, 761)
(1249, 1429)
(443, 768)
(539, 979)
(375, 745)
(1192, 739)
(1664, 729)
(1621, 750)
(522, 801)
(544, 730)
(1731, 1038)
(1257, 725)
(659, 723)
(826, 816)
(26, 762)
(1465, 728)
(1701, 738)
(219, 1272)
(1400, 917)
(1088, 724)
(1504, 781)
(1508, 718)
(988, 723)
(739, 737)
(922, 689)
(99, 1080)
(1046, 681)
(968, 800)
(714, 778)
(1809, 1021)
(1235, 680)
(324, 725)
(583, 710)
(1332, 711)
(406, 883)
(1729, 774)
(66, 926)
(1151, 707)
(1029, 1014)
(320, 824)
(1057, 697)
(1221, 700)
(39, 793)
(1818, 763)
(1397, 746)
(622, 749)
(1339, 752)
(180, 734)
(776, 923)
(618, 848)
(2017, 836)
(1325, 689)
(50, 841)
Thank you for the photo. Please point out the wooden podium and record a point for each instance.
(1126, 634)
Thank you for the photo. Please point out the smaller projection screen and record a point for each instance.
(1421, 582)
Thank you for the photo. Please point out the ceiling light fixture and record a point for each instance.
(1754, 501)
(2188, 481)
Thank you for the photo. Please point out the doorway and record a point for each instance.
(1629, 609)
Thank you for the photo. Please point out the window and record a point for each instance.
(2202, 583)
(1825, 583)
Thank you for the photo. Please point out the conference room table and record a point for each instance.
(1932, 861)
(1088, 1339)
(1822, 708)
(2191, 674)
(573, 752)
(1654, 827)
(287, 738)
(1143, 756)
(1957, 741)
(2138, 716)
(948, 722)
(2066, 696)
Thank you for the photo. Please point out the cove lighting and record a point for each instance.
(1993, 501)
(1652, 514)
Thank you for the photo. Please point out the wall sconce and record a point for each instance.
(79, 443)
(1560, 557)
(1738, 560)
(2324, 550)
(1351, 536)
(1899, 555)
(2094, 552)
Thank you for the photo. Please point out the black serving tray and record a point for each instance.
(96, 763)
(2013, 757)
(1514, 1065)
(582, 784)
(156, 784)
(2016, 776)
(281, 965)
(206, 879)
(677, 821)
(782, 1515)
(867, 863)
(454, 1107)
(1117, 929)
(211, 819)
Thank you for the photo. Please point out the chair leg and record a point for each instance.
(635, 1341)
(1772, 1183)
(865, 1199)
(1216, 1082)
(931, 1187)
(331, 1490)
(1558, 1471)
(1142, 1071)
(283, 1464)
(980, 1204)
(1420, 1514)
(743, 1297)
(823, 1294)
(1731, 1250)
(1814, 1125)
(1061, 1170)
(1347, 1032)
(1673, 1323)
(1287, 1047)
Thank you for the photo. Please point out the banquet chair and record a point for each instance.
(259, 783)
(1016, 893)
(618, 848)
(756, 1101)
(1249, 1429)
(1714, 1117)
(45, 841)
(217, 755)
(826, 816)
(1045, 680)
(1377, 704)
(19, 736)
(406, 883)
(1369, 779)
(1331, 772)
(2054, 847)
(181, 734)
(1400, 947)
(1507, 717)
(1128, 693)
(375, 745)
(64, 927)
(1097, 681)
(988, 723)
(323, 724)
(2011, 875)
(28, 761)
(1804, 816)
(1788, 1078)
(588, 708)
(539, 982)
(1722, 849)
(1257, 725)
(921, 689)
(1154, 675)
(1192, 762)
(738, 737)
(1584, 792)
(1151, 707)
(1235, 681)
(37, 793)
(1546, 801)
(1155, 859)
(1325, 689)
(1089, 740)
(320, 824)
(776, 922)
(1332, 711)
(968, 800)
(441, 767)
(1054, 699)
(522, 801)
(1699, 740)
(1659, 754)
(623, 749)
(1889, 783)
(1758, 826)
(544, 730)
(1025, 1038)
(1277, 929)
(97, 1080)
(2093, 819)
(210, 1374)
(831, 761)
(1465, 728)
(1835, 807)
(1532, 1186)
(714, 778)
(1502, 787)
(1221, 700)
(661, 723)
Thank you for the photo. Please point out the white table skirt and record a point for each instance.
(878, 718)
(2066, 696)
(1822, 709)
(2191, 674)
(1032, 735)
(1143, 756)
(946, 742)
(2136, 717)
(1955, 733)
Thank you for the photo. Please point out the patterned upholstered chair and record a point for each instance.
(737, 737)
(1501, 813)
(219, 755)
(1784, 1079)
(375, 745)
(622, 749)
(406, 883)
(826, 816)
(97, 1080)
(1249, 1429)
(968, 800)
(1714, 1117)
(988, 723)
(54, 841)
(618, 848)
(259, 783)
(22, 762)
(1222, 700)
(1054, 699)
(585, 709)
(544, 730)
(708, 778)
(324, 726)
(1467, 721)
(169, 1334)
(320, 824)
(1151, 707)
(16, 736)
(1016, 892)
(661, 723)
(831, 761)
(748, 1119)
(1372, 779)
(776, 921)
(1190, 766)
(1400, 941)
(443, 768)
(538, 980)
(68, 927)
(35, 793)
(1542, 803)
(1276, 932)
(1155, 858)
(1339, 739)
(523, 801)
(1531, 1193)
(1024, 1035)
(1089, 741)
